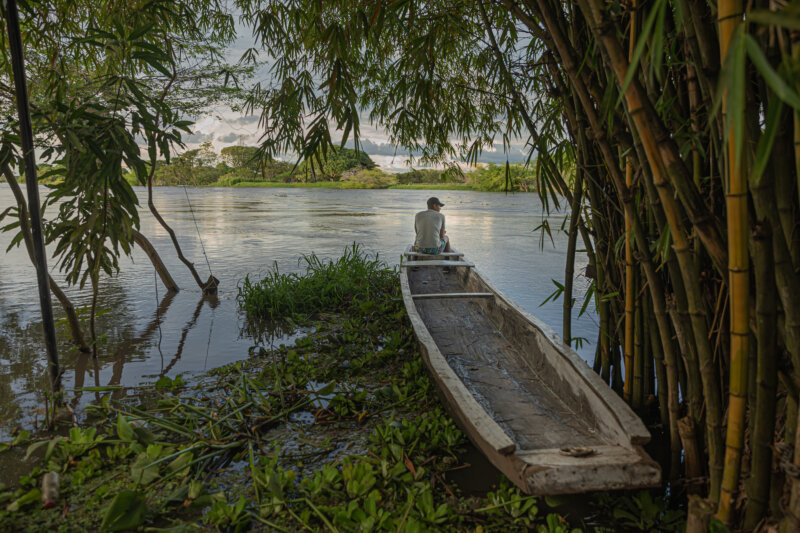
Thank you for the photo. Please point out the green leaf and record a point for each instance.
(181, 463)
(36, 445)
(782, 89)
(105, 388)
(327, 389)
(555, 500)
(21, 437)
(124, 429)
(789, 17)
(143, 471)
(29, 497)
(127, 511)
(657, 12)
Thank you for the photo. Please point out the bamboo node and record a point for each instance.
(734, 15)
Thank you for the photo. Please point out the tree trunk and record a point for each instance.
(569, 270)
(151, 252)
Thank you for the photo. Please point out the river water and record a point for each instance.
(146, 334)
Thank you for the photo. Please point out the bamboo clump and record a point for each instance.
(693, 176)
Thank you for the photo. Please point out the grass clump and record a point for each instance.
(326, 286)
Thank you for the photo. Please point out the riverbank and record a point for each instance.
(352, 185)
(340, 431)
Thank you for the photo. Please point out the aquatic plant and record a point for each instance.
(326, 286)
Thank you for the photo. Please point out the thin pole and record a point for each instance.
(31, 182)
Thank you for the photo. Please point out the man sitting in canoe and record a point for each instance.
(429, 226)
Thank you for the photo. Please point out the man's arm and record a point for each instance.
(442, 231)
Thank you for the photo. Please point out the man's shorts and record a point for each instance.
(433, 251)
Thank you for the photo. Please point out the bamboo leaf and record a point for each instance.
(587, 298)
(789, 17)
(657, 47)
(644, 38)
(776, 83)
(734, 84)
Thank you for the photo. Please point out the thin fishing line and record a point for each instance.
(208, 344)
(158, 319)
(198, 230)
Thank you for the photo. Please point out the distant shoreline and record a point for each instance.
(344, 185)
(351, 185)
(337, 185)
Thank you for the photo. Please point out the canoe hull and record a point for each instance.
(529, 451)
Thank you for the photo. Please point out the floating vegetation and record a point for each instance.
(340, 431)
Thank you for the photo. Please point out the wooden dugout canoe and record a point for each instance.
(524, 398)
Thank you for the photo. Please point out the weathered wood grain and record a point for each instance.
(425, 296)
(437, 263)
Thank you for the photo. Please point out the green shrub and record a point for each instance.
(337, 163)
(493, 178)
(369, 179)
(415, 176)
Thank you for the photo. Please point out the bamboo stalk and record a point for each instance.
(662, 390)
(658, 150)
(694, 456)
(649, 361)
(629, 285)
(796, 137)
(791, 521)
(638, 358)
(785, 164)
(729, 14)
(699, 515)
(758, 485)
(569, 270)
(629, 294)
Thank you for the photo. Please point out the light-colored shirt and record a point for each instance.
(429, 225)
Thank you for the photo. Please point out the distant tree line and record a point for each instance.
(235, 165)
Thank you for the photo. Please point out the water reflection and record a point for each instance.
(147, 333)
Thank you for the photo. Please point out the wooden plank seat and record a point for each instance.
(433, 256)
(453, 295)
(434, 263)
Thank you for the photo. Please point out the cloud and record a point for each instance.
(388, 152)
(249, 119)
(379, 148)
(198, 137)
(229, 138)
